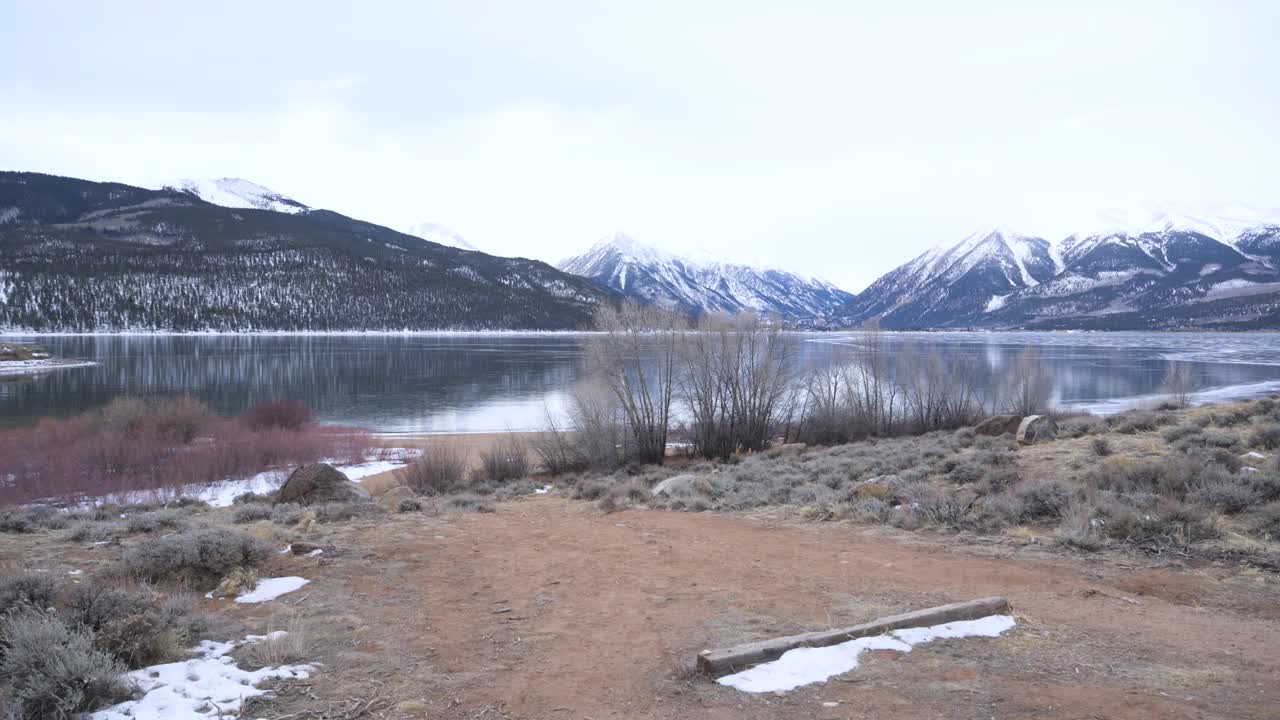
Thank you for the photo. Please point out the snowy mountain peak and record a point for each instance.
(235, 193)
(649, 274)
(629, 247)
(1225, 223)
(441, 235)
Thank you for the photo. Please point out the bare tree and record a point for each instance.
(634, 355)
(735, 379)
(1179, 384)
(877, 391)
(1029, 386)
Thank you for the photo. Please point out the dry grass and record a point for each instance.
(288, 641)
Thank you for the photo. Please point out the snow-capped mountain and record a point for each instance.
(958, 281)
(77, 255)
(650, 275)
(235, 193)
(442, 235)
(1154, 270)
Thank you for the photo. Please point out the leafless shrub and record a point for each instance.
(558, 450)
(1101, 446)
(1028, 386)
(1141, 421)
(95, 531)
(199, 557)
(31, 589)
(506, 460)
(1266, 437)
(1172, 525)
(54, 671)
(1045, 499)
(1266, 523)
(155, 521)
(134, 626)
(1179, 384)
(735, 372)
(441, 469)
(251, 513)
(635, 356)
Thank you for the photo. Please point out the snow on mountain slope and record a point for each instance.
(968, 278)
(235, 193)
(441, 235)
(651, 275)
(1225, 224)
(1144, 263)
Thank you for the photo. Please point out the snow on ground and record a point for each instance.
(269, 589)
(207, 686)
(805, 666)
(224, 492)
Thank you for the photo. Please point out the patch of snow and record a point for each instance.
(1254, 455)
(224, 492)
(1210, 269)
(805, 666)
(441, 235)
(315, 553)
(235, 193)
(996, 302)
(207, 686)
(1231, 285)
(269, 589)
(543, 490)
(355, 473)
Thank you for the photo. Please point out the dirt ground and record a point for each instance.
(550, 608)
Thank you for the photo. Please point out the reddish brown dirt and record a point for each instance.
(551, 609)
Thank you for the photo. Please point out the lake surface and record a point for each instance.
(495, 382)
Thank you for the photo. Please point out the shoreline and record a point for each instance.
(30, 367)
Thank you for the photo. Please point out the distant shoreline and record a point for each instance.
(26, 367)
(281, 333)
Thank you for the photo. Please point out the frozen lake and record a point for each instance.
(494, 382)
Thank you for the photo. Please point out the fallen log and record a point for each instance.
(725, 660)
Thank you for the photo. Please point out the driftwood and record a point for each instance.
(722, 661)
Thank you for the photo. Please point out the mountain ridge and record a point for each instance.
(79, 255)
(1168, 274)
(648, 274)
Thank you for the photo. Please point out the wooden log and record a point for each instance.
(726, 660)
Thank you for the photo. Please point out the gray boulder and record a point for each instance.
(1037, 428)
(320, 483)
(998, 425)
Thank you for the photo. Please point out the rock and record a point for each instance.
(319, 483)
(790, 448)
(1037, 428)
(998, 425)
(391, 499)
(675, 485)
(306, 549)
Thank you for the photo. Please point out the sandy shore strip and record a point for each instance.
(472, 445)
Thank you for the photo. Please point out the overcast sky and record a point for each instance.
(834, 138)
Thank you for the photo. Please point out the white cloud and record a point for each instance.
(826, 137)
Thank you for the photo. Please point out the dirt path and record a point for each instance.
(551, 609)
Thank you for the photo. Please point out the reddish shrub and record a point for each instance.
(288, 414)
(159, 445)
